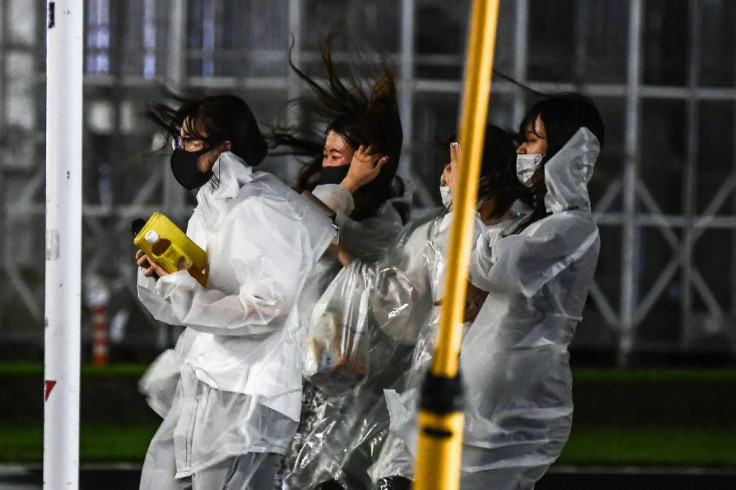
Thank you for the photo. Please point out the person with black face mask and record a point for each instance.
(185, 164)
(230, 392)
(351, 138)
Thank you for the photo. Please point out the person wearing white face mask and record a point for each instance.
(526, 167)
(419, 269)
(234, 404)
(514, 357)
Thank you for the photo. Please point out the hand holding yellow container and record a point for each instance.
(171, 248)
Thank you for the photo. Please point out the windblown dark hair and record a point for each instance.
(563, 114)
(360, 118)
(498, 169)
(222, 117)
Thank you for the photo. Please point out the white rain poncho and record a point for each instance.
(399, 451)
(366, 239)
(514, 357)
(388, 301)
(238, 358)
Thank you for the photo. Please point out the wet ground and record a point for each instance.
(125, 477)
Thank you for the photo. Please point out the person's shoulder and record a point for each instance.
(267, 196)
(565, 227)
(566, 219)
(263, 194)
(265, 184)
(263, 188)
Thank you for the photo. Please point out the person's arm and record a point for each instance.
(266, 256)
(154, 303)
(357, 237)
(402, 297)
(343, 254)
(524, 263)
(364, 167)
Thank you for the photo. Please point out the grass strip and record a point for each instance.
(113, 370)
(727, 375)
(650, 446)
(97, 443)
(588, 445)
(579, 374)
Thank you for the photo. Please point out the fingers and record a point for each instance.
(378, 161)
(365, 166)
(365, 150)
(183, 263)
(144, 262)
(368, 153)
(370, 160)
(445, 176)
(456, 154)
(141, 259)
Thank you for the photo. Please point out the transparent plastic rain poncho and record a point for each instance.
(398, 453)
(159, 381)
(514, 357)
(239, 343)
(373, 311)
(366, 239)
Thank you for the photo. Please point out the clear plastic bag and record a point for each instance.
(371, 313)
(336, 355)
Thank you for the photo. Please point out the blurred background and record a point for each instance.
(662, 72)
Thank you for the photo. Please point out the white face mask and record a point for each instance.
(526, 165)
(446, 196)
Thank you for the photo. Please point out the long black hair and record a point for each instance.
(563, 114)
(221, 117)
(498, 170)
(360, 117)
(498, 180)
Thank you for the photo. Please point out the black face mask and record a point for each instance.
(185, 169)
(333, 175)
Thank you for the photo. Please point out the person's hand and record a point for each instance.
(474, 299)
(151, 268)
(452, 175)
(364, 167)
(342, 253)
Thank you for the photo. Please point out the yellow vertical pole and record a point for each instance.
(441, 406)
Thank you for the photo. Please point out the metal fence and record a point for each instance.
(662, 72)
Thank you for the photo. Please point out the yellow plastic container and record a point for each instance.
(169, 246)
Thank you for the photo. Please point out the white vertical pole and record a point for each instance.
(521, 44)
(174, 195)
(406, 87)
(629, 277)
(294, 26)
(63, 243)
